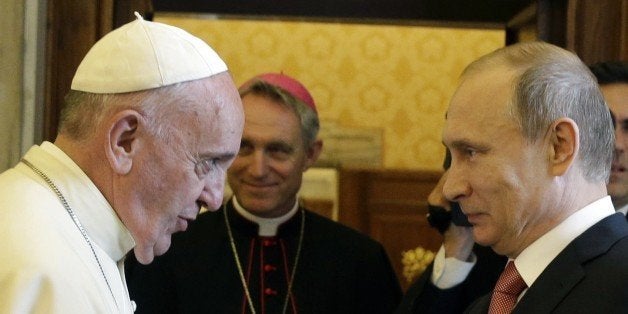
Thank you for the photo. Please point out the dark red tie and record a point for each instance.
(508, 287)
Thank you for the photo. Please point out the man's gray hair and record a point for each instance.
(83, 112)
(550, 83)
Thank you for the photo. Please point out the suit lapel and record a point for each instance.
(558, 278)
(566, 270)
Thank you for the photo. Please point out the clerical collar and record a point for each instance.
(267, 226)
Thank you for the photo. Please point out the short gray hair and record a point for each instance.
(83, 112)
(551, 83)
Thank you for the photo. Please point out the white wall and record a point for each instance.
(11, 62)
(22, 33)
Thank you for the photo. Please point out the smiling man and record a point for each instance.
(147, 132)
(264, 252)
(532, 143)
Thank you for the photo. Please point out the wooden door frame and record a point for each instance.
(73, 28)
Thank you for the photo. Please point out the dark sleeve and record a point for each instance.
(425, 297)
(150, 286)
(380, 289)
(415, 291)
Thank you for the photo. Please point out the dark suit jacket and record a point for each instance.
(589, 276)
(424, 297)
(340, 270)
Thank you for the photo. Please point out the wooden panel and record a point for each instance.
(351, 204)
(595, 30)
(73, 28)
(123, 11)
(401, 227)
(488, 12)
(360, 187)
(523, 26)
(323, 207)
(598, 30)
(390, 206)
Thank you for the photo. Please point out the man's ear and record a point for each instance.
(122, 140)
(564, 145)
(312, 153)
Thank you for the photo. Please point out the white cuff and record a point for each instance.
(449, 272)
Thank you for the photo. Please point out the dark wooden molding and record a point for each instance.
(123, 11)
(522, 23)
(363, 188)
(597, 30)
(73, 27)
(389, 205)
(437, 11)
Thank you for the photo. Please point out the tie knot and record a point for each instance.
(508, 287)
(510, 281)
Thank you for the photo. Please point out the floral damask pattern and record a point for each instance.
(395, 78)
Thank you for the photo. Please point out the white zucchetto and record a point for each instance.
(144, 55)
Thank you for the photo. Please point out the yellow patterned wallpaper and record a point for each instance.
(395, 78)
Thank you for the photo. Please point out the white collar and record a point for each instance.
(267, 226)
(98, 218)
(535, 258)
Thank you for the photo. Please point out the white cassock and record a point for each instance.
(46, 265)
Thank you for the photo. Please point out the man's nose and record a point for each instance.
(455, 186)
(436, 196)
(258, 165)
(213, 191)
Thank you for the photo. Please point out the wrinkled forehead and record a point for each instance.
(209, 105)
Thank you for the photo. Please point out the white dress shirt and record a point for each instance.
(535, 258)
(449, 272)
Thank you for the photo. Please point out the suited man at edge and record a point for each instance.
(462, 269)
(612, 76)
(532, 144)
